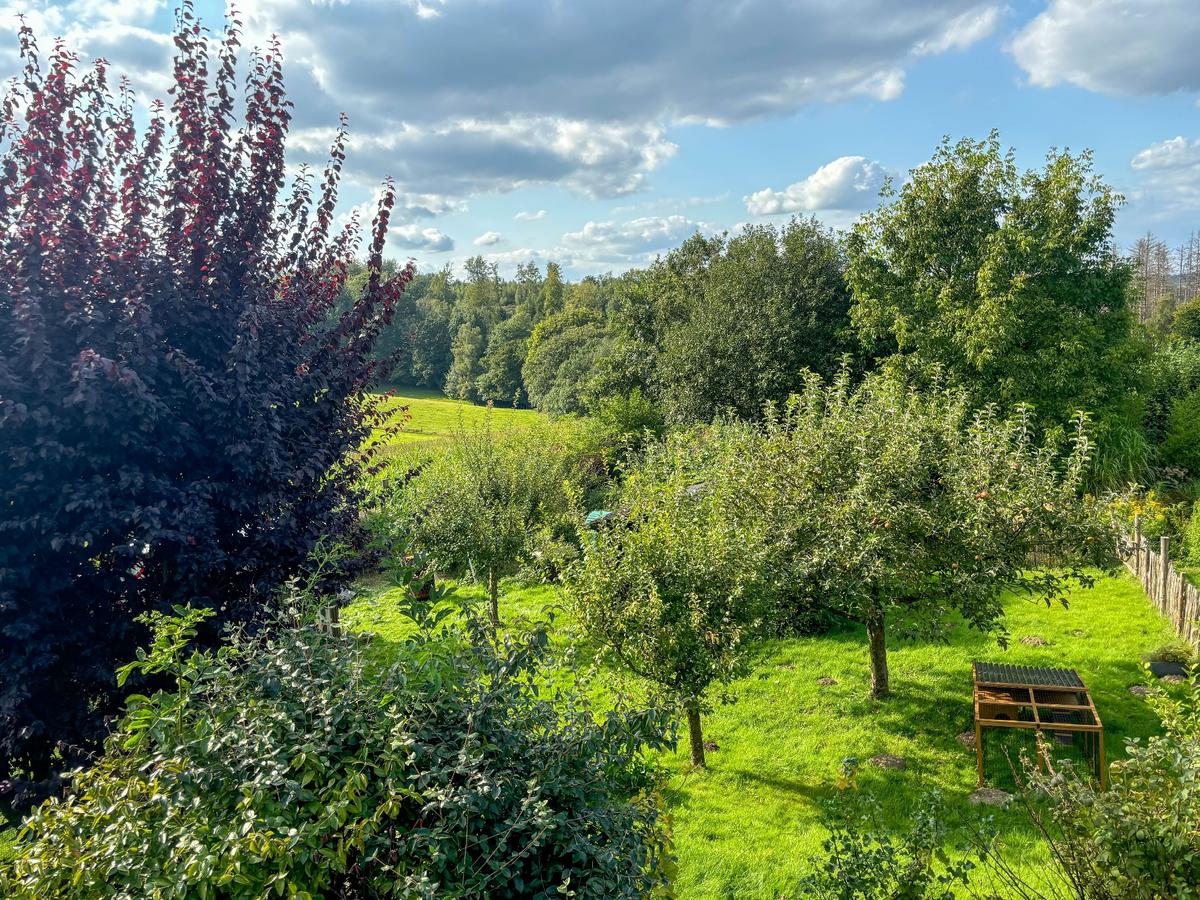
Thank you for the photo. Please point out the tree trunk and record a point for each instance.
(696, 735)
(879, 666)
(494, 597)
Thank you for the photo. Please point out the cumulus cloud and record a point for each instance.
(623, 71)
(1170, 175)
(470, 156)
(846, 183)
(447, 97)
(488, 239)
(414, 237)
(633, 242)
(1113, 46)
(525, 216)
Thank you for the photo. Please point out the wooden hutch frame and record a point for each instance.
(1044, 700)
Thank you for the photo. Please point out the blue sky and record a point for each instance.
(600, 134)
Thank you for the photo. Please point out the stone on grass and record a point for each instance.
(1032, 640)
(826, 681)
(967, 739)
(888, 761)
(989, 797)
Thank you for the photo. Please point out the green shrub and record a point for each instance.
(477, 507)
(625, 423)
(1191, 537)
(1182, 445)
(864, 862)
(1174, 652)
(294, 764)
(1187, 320)
(1137, 840)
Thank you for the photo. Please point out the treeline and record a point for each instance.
(974, 274)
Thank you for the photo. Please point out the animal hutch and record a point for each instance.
(1014, 705)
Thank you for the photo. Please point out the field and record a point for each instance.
(428, 417)
(748, 826)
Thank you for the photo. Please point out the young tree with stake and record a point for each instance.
(675, 589)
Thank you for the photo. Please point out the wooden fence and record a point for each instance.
(1175, 597)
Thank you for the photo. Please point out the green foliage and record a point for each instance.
(1005, 283)
(864, 862)
(296, 765)
(889, 502)
(767, 305)
(1137, 840)
(477, 505)
(673, 588)
(1186, 323)
(1171, 372)
(499, 381)
(626, 423)
(562, 353)
(1181, 447)
(1191, 537)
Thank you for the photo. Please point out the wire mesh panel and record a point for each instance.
(1014, 704)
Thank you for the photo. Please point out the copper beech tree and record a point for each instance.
(180, 397)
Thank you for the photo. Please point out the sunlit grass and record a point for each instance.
(750, 824)
(426, 418)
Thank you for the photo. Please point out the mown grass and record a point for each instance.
(426, 418)
(750, 825)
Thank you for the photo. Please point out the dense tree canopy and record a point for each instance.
(1006, 283)
(769, 305)
(891, 504)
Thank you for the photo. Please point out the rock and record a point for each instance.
(1032, 640)
(887, 761)
(967, 739)
(711, 746)
(826, 681)
(989, 797)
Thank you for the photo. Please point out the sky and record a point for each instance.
(602, 133)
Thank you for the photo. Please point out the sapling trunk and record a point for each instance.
(877, 641)
(695, 734)
(494, 597)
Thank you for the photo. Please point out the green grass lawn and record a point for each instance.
(748, 826)
(432, 417)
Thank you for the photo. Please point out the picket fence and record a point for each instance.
(1176, 597)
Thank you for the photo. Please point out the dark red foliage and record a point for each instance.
(180, 399)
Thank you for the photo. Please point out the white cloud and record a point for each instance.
(488, 239)
(454, 124)
(961, 32)
(634, 242)
(624, 71)
(1170, 176)
(1113, 46)
(846, 183)
(414, 237)
(525, 216)
(469, 156)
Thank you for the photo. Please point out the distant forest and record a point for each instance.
(1006, 283)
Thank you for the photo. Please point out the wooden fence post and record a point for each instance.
(1137, 545)
(1164, 569)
